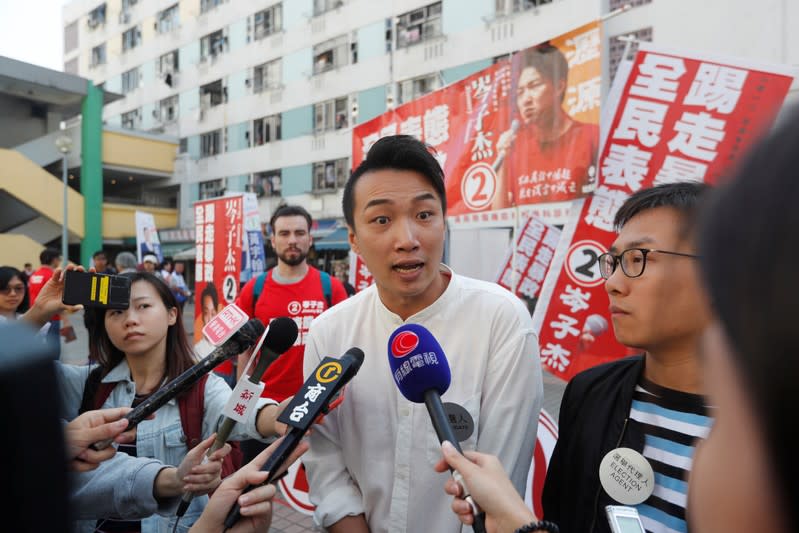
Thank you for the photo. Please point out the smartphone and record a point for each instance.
(96, 290)
(624, 519)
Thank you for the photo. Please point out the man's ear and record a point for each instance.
(353, 239)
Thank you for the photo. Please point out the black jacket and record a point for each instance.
(593, 420)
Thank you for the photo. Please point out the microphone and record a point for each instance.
(280, 336)
(312, 400)
(422, 374)
(245, 337)
(514, 127)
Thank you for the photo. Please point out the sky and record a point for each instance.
(31, 31)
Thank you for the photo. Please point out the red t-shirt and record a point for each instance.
(37, 281)
(302, 301)
(552, 171)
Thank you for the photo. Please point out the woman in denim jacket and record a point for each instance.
(140, 349)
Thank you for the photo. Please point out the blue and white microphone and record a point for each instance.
(421, 372)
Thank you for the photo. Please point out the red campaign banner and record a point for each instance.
(536, 242)
(359, 276)
(679, 117)
(218, 238)
(480, 127)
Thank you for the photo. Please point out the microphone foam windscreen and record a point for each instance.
(417, 362)
(281, 335)
(250, 332)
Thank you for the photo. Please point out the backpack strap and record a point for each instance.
(192, 406)
(95, 392)
(257, 289)
(327, 288)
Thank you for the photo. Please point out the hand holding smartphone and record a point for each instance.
(96, 290)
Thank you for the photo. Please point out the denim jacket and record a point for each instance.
(161, 438)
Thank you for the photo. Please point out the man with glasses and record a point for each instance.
(651, 403)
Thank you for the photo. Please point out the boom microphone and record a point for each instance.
(514, 127)
(422, 374)
(245, 337)
(280, 336)
(312, 400)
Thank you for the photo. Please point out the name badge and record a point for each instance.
(626, 476)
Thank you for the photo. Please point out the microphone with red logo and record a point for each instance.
(421, 372)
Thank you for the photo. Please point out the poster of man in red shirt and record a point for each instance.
(548, 153)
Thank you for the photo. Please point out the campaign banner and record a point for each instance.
(218, 240)
(518, 133)
(536, 242)
(359, 275)
(679, 117)
(253, 257)
(147, 241)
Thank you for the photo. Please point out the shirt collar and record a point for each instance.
(429, 311)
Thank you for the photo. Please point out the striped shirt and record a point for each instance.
(671, 422)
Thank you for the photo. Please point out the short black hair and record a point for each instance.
(749, 249)
(99, 253)
(49, 255)
(397, 152)
(290, 211)
(686, 197)
(549, 61)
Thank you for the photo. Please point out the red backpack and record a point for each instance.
(191, 405)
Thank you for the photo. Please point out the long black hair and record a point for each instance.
(179, 355)
(749, 247)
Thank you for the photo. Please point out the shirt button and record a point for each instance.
(129, 387)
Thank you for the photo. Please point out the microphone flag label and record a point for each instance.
(227, 322)
(404, 343)
(316, 393)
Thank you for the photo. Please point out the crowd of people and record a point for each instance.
(699, 281)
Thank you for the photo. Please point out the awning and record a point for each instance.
(186, 255)
(335, 241)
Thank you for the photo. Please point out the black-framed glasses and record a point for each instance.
(632, 261)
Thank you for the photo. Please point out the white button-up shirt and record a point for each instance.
(375, 453)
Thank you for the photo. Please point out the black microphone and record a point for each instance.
(280, 336)
(312, 400)
(245, 337)
(422, 374)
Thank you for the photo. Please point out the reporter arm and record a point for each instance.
(266, 419)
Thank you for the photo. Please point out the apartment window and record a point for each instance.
(98, 55)
(330, 115)
(168, 109)
(323, 6)
(130, 80)
(212, 94)
(168, 19)
(168, 66)
(207, 5)
(268, 21)
(212, 45)
(416, 87)
(509, 7)
(212, 189)
(211, 143)
(97, 16)
(617, 4)
(267, 76)
(266, 130)
(132, 119)
(70, 37)
(267, 183)
(617, 46)
(334, 53)
(329, 175)
(183, 147)
(419, 25)
(131, 38)
(127, 4)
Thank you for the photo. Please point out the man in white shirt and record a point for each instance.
(370, 467)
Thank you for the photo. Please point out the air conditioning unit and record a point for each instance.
(124, 17)
(205, 101)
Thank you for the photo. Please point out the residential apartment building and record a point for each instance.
(263, 94)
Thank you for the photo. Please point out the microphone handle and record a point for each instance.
(174, 388)
(438, 416)
(222, 434)
(273, 463)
